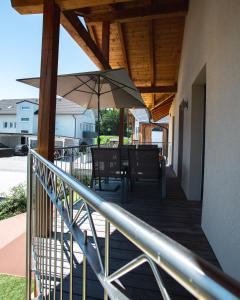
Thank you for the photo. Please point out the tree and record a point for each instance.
(109, 123)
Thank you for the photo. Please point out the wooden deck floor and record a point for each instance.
(176, 217)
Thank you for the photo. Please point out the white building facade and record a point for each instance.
(204, 123)
(21, 117)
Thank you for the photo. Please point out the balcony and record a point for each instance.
(92, 246)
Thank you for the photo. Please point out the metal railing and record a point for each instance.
(60, 216)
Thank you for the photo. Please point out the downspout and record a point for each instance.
(75, 126)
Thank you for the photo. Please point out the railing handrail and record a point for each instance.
(198, 276)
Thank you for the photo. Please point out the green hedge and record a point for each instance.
(15, 203)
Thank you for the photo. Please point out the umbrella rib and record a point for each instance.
(115, 81)
(75, 89)
(86, 84)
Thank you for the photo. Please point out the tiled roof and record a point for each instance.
(64, 107)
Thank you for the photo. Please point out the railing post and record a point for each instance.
(106, 256)
(29, 230)
(84, 283)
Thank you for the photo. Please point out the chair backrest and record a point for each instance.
(124, 151)
(147, 146)
(144, 163)
(106, 162)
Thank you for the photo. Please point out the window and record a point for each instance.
(5, 124)
(15, 125)
(24, 131)
(25, 107)
(24, 119)
(11, 124)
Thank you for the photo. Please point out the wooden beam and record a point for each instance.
(123, 47)
(140, 12)
(48, 80)
(151, 52)
(105, 39)
(76, 29)
(36, 6)
(157, 89)
(92, 31)
(161, 101)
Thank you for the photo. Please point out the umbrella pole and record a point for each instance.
(98, 139)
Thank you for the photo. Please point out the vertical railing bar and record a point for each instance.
(106, 256)
(46, 240)
(41, 241)
(61, 261)
(84, 281)
(50, 247)
(55, 242)
(71, 245)
(29, 230)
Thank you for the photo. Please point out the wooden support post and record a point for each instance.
(47, 98)
(121, 127)
(48, 79)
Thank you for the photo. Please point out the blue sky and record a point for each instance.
(20, 52)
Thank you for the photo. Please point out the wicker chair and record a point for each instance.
(106, 164)
(144, 165)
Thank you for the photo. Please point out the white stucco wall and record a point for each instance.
(9, 119)
(212, 38)
(26, 113)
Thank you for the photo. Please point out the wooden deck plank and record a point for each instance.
(176, 217)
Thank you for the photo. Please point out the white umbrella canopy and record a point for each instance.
(99, 89)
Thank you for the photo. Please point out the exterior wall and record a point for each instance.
(211, 39)
(7, 119)
(65, 125)
(26, 126)
(171, 133)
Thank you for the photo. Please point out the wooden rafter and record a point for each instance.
(164, 100)
(123, 46)
(36, 6)
(132, 14)
(157, 89)
(105, 39)
(92, 31)
(75, 28)
(151, 53)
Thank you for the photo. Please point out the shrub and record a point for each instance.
(15, 203)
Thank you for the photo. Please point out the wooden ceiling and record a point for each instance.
(144, 36)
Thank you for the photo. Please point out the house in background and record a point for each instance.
(19, 117)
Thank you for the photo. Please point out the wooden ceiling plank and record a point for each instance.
(157, 89)
(132, 14)
(76, 29)
(36, 6)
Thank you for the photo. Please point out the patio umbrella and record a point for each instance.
(100, 89)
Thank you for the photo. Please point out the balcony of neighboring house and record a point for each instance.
(116, 222)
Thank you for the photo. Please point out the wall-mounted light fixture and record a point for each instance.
(184, 104)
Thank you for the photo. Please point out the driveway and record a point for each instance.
(13, 170)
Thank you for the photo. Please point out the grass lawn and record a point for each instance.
(12, 287)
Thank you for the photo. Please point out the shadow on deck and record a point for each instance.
(176, 217)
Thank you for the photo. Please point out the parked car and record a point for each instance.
(21, 149)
